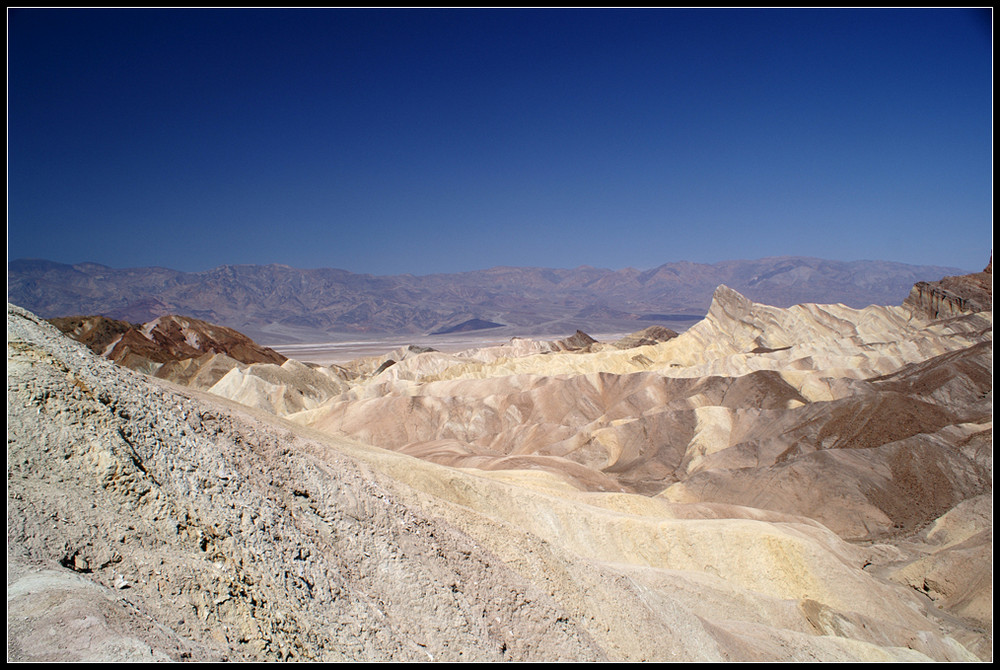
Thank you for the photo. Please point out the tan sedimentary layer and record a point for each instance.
(806, 342)
(779, 425)
(754, 579)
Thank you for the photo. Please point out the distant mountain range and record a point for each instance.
(280, 304)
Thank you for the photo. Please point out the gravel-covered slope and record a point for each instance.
(144, 525)
(148, 521)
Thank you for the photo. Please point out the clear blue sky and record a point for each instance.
(421, 141)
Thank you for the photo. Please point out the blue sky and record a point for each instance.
(423, 141)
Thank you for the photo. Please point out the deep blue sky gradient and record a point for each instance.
(422, 141)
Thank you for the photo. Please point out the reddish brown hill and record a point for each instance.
(97, 332)
(163, 340)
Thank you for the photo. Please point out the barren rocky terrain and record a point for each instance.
(811, 482)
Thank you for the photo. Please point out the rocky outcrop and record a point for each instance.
(578, 341)
(163, 340)
(953, 296)
(99, 333)
(645, 337)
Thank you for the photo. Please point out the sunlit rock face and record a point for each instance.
(773, 484)
(954, 296)
(162, 340)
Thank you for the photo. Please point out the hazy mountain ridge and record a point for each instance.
(277, 303)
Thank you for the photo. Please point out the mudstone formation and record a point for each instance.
(773, 484)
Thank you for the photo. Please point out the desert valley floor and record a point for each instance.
(772, 484)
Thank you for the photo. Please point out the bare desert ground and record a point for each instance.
(772, 484)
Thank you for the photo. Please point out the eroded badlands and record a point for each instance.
(809, 483)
